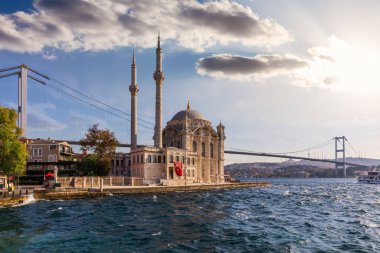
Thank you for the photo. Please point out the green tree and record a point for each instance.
(13, 153)
(103, 143)
(91, 165)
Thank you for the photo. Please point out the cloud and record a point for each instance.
(362, 122)
(83, 122)
(103, 25)
(338, 66)
(39, 120)
(49, 55)
(240, 67)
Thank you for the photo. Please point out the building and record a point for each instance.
(49, 151)
(121, 163)
(188, 150)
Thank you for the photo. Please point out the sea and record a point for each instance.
(291, 215)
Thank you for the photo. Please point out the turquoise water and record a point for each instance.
(292, 215)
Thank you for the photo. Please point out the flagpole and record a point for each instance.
(185, 166)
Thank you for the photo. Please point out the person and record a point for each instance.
(46, 184)
(71, 184)
(11, 187)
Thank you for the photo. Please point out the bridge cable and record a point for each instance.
(91, 104)
(290, 152)
(98, 101)
(356, 152)
(307, 149)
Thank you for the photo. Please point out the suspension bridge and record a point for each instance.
(342, 146)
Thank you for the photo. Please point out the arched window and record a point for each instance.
(188, 161)
(177, 158)
(154, 158)
(203, 149)
(159, 159)
(149, 158)
(179, 144)
(194, 146)
(211, 150)
(171, 159)
(142, 158)
(193, 161)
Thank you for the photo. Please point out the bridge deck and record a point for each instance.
(260, 154)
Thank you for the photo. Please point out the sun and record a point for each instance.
(356, 67)
(341, 66)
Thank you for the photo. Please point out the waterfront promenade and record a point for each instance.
(90, 187)
(75, 193)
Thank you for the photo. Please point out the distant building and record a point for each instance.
(46, 151)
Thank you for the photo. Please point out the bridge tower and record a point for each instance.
(22, 91)
(340, 148)
(22, 98)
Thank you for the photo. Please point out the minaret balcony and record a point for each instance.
(158, 75)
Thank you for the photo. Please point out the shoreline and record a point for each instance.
(67, 194)
(9, 202)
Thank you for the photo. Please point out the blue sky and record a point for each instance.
(281, 75)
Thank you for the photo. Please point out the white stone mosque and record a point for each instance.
(188, 150)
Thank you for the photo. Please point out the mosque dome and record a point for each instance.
(191, 114)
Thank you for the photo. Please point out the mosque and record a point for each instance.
(188, 150)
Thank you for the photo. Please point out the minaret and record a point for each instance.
(133, 88)
(158, 76)
(186, 129)
(222, 137)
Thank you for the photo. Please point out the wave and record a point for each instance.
(28, 201)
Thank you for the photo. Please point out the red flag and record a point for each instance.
(178, 168)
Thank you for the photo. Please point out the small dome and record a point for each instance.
(192, 114)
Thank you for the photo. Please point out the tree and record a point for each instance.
(103, 144)
(13, 153)
(91, 165)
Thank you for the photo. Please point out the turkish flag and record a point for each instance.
(178, 168)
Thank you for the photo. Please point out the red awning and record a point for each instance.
(49, 174)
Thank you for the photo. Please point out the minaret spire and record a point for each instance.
(158, 39)
(134, 89)
(159, 77)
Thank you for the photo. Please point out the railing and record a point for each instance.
(15, 194)
(99, 182)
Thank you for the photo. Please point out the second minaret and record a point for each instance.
(133, 88)
(159, 77)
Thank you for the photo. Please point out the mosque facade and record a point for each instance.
(187, 151)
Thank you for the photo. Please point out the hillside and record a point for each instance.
(294, 168)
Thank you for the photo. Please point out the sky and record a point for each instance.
(280, 75)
